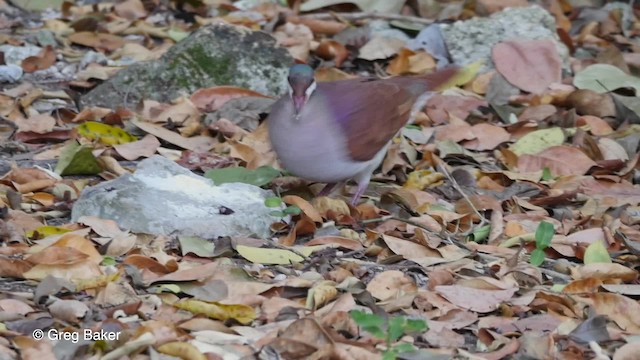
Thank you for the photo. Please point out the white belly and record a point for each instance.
(314, 150)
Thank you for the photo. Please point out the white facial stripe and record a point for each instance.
(310, 90)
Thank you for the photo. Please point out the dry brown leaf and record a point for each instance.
(196, 143)
(44, 60)
(332, 50)
(487, 137)
(338, 241)
(80, 243)
(99, 41)
(604, 272)
(561, 160)
(625, 312)
(131, 9)
(305, 206)
(58, 255)
(400, 64)
(145, 147)
(212, 99)
(478, 300)
(390, 284)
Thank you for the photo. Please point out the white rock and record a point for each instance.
(163, 198)
(10, 73)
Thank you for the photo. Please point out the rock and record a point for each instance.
(91, 57)
(471, 40)
(10, 73)
(15, 54)
(163, 198)
(244, 112)
(218, 54)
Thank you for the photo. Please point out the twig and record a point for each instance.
(456, 186)
(549, 272)
(367, 15)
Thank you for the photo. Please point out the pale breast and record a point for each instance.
(311, 147)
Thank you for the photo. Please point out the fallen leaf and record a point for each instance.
(100, 41)
(44, 60)
(560, 160)
(479, 300)
(531, 65)
(212, 99)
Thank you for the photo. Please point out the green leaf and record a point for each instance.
(546, 174)
(404, 347)
(396, 327)
(108, 261)
(416, 325)
(258, 177)
(480, 233)
(544, 234)
(389, 355)
(537, 257)
(364, 319)
(273, 202)
(597, 253)
(277, 213)
(77, 159)
(292, 210)
(375, 331)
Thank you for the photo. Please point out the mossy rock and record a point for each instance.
(214, 55)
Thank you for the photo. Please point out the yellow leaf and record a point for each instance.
(597, 253)
(242, 313)
(44, 231)
(321, 294)
(95, 282)
(463, 76)
(106, 134)
(268, 256)
(539, 140)
(181, 350)
(421, 179)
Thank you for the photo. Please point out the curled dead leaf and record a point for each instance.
(332, 50)
(44, 60)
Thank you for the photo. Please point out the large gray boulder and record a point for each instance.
(213, 55)
(163, 198)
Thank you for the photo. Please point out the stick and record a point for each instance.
(367, 15)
